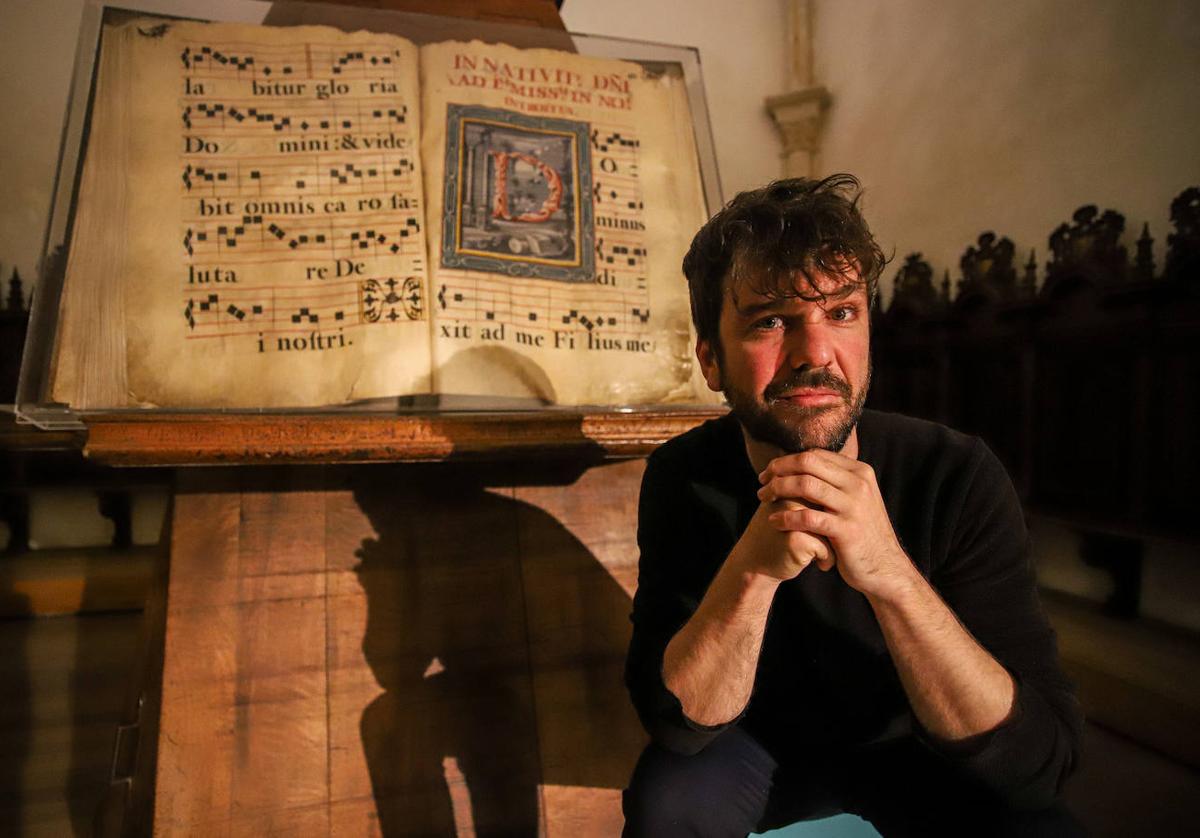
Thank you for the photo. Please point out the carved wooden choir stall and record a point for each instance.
(1085, 386)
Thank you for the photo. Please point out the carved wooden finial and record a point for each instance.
(16, 299)
(1143, 263)
(1183, 245)
(1029, 281)
(914, 291)
(1089, 247)
(987, 268)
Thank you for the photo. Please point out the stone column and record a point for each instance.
(800, 112)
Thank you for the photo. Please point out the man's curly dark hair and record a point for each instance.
(765, 237)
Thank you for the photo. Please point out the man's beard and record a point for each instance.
(793, 428)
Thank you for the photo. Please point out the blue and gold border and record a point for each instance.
(581, 268)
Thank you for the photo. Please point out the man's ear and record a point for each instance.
(711, 370)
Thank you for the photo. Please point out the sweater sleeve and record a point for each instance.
(668, 594)
(988, 581)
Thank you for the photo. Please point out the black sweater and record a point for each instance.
(825, 680)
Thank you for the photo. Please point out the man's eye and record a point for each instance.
(843, 314)
(768, 324)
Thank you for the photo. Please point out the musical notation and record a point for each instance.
(608, 140)
(319, 174)
(540, 305)
(613, 193)
(297, 309)
(311, 61)
(228, 309)
(303, 237)
(294, 154)
(611, 252)
(251, 118)
(596, 320)
(616, 187)
(346, 59)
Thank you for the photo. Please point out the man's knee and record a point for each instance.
(665, 805)
(720, 791)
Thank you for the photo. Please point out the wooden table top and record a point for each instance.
(176, 439)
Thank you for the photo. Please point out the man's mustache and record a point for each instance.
(811, 378)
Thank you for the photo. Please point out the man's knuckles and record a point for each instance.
(865, 473)
(789, 464)
(804, 486)
(804, 548)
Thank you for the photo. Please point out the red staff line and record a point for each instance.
(344, 155)
(584, 291)
(611, 234)
(336, 45)
(214, 190)
(291, 255)
(582, 304)
(267, 130)
(268, 332)
(324, 286)
(355, 72)
(197, 220)
(279, 181)
(293, 104)
(281, 302)
(296, 163)
(607, 307)
(605, 177)
(275, 191)
(533, 325)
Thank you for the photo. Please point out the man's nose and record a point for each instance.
(808, 345)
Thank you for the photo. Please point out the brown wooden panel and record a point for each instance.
(308, 820)
(244, 709)
(582, 812)
(197, 742)
(352, 684)
(579, 559)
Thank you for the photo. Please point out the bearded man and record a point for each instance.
(836, 610)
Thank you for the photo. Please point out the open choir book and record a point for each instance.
(300, 217)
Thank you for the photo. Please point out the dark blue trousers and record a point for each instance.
(735, 786)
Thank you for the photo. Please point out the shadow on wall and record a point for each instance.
(499, 641)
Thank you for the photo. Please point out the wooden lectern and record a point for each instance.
(390, 625)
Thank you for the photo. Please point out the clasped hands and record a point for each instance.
(826, 509)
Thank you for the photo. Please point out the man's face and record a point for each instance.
(795, 371)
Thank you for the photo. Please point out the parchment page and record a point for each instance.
(565, 191)
(276, 253)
